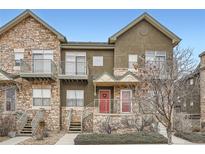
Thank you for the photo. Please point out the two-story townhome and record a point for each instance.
(80, 85)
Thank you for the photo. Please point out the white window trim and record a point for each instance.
(42, 107)
(130, 90)
(98, 65)
(17, 52)
(5, 102)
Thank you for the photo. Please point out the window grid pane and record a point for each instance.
(75, 98)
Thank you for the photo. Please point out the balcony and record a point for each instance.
(73, 71)
(38, 69)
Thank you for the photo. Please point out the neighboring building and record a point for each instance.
(202, 89)
(188, 98)
(72, 80)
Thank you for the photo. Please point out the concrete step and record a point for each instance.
(23, 134)
(71, 131)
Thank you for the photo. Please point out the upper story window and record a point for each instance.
(97, 60)
(41, 97)
(132, 60)
(156, 59)
(155, 56)
(18, 55)
(75, 63)
(42, 61)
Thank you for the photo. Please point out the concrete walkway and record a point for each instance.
(175, 140)
(67, 139)
(14, 141)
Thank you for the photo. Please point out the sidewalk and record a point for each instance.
(14, 141)
(67, 139)
(175, 140)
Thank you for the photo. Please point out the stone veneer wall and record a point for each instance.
(202, 91)
(29, 35)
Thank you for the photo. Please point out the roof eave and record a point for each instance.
(154, 22)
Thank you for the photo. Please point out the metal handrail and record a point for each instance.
(22, 121)
(69, 117)
(37, 118)
(115, 105)
(35, 66)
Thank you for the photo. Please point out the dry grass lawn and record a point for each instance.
(52, 139)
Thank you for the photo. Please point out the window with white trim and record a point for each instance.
(75, 98)
(157, 60)
(75, 63)
(18, 56)
(41, 97)
(132, 60)
(97, 60)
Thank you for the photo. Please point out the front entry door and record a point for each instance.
(104, 101)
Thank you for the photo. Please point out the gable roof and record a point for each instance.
(26, 14)
(145, 16)
(129, 77)
(105, 77)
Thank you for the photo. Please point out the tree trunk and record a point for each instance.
(169, 135)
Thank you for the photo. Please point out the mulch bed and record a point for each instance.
(195, 137)
(50, 140)
(132, 138)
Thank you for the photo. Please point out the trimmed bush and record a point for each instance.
(7, 124)
(195, 137)
(132, 138)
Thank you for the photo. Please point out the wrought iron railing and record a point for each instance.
(22, 121)
(73, 68)
(38, 66)
(69, 117)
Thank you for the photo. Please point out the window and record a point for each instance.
(41, 97)
(126, 100)
(155, 56)
(97, 60)
(157, 60)
(191, 81)
(10, 99)
(75, 63)
(132, 59)
(191, 103)
(18, 55)
(42, 61)
(75, 98)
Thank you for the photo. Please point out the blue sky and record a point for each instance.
(98, 25)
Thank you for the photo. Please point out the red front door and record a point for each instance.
(104, 101)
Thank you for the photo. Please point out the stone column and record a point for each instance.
(202, 90)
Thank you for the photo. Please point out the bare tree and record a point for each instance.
(160, 79)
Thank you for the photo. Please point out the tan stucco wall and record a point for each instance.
(134, 41)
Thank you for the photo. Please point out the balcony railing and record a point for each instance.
(38, 68)
(115, 106)
(73, 70)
